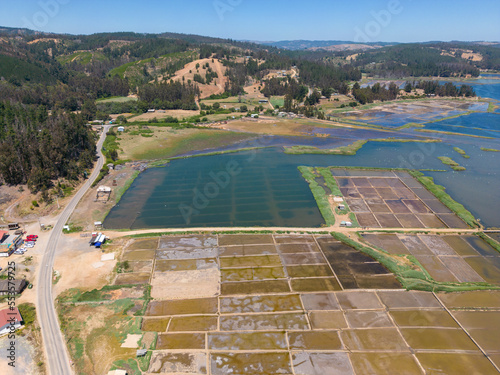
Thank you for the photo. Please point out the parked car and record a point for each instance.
(31, 237)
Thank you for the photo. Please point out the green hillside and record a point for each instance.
(82, 57)
(12, 68)
(164, 64)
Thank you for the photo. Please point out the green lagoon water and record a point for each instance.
(264, 188)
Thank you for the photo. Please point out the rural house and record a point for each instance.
(9, 243)
(10, 318)
(19, 286)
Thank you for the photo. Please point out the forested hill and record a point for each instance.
(295, 45)
(49, 84)
(429, 59)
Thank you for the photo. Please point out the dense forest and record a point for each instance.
(413, 60)
(50, 85)
(168, 95)
(36, 148)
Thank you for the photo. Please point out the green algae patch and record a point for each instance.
(461, 152)
(351, 149)
(451, 163)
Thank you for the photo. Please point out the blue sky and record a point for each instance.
(265, 20)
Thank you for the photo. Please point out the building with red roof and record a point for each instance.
(10, 318)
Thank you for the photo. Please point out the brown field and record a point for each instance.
(275, 126)
(177, 113)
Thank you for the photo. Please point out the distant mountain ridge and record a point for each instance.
(329, 45)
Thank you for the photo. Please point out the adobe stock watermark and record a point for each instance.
(48, 9)
(380, 20)
(223, 6)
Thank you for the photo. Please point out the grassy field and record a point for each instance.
(95, 344)
(492, 107)
(165, 142)
(277, 101)
(343, 150)
(116, 99)
(135, 67)
(81, 57)
(452, 163)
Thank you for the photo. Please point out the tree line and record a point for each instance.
(36, 149)
(413, 60)
(169, 95)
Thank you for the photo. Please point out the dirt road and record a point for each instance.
(121, 233)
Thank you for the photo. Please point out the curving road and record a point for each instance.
(55, 347)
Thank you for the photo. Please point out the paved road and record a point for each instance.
(55, 347)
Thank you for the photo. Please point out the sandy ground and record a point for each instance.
(179, 284)
(25, 357)
(75, 262)
(472, 56)
(217, 86)
(131, 341)
(88, 210)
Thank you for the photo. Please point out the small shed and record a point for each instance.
(121, 129)
(338, 199)
(341, 207)
(345, 224)
(103, 191)
(141, 352)
(98, 224)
